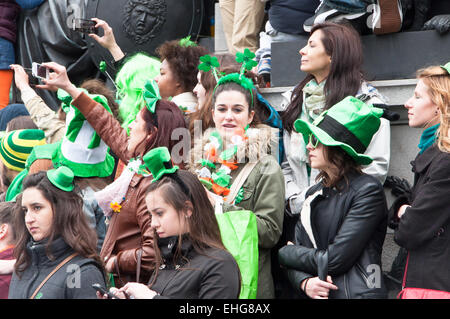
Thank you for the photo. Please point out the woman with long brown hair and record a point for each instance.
(53, 231)
(191, 260)
(332, 59)
(128, 247)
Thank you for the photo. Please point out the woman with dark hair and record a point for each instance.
(240, 148)
(178, 73)
(332, 60)
(191, 260)
(342, 225)
(128, 246)
(204, 91)
(54, 238)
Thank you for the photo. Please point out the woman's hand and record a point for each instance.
(137, 291)
(20, 77)
(58, 79)
(402, 210)
(319, 289)
(108, 41)
(116, 292)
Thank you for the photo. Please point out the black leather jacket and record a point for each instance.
(356, 234)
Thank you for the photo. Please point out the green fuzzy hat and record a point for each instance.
(349, 124)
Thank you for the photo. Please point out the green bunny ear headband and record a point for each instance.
(446, 67)
(62, 178)
(245, 58)
(151, 95)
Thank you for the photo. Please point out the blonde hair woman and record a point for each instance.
(423, 222)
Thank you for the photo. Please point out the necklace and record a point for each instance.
(218, 164)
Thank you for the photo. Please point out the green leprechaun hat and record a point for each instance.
(349, 124)
(62, 178)
(159, 163)
(82, 149)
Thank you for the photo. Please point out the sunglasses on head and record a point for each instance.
(313, 140)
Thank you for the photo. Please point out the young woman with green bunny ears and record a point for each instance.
(343, 221)
(239, 143)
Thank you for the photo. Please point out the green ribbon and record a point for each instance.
(221, 178)
(151, 95)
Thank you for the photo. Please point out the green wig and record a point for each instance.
(130, 81)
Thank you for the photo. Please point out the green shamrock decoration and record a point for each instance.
(151, 95)
(246, 59)
(208, 63)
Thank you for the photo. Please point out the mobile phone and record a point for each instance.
(84, 26)
(39, 71)
(103, 291)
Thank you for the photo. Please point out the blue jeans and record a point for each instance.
(6, 54)
(349, 6)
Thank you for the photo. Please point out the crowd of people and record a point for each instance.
(122, 190)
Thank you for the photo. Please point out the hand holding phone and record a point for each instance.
(84, 26)
(39, 71)
(103, 291)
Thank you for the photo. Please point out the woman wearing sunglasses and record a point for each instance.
(342, 224)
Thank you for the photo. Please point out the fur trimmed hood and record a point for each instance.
(261, 140)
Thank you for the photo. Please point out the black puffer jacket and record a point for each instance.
(212, 275)
(72, 281)
(354, 222)
(424, 228)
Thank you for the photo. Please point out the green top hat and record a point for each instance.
(158, 162)
(349, 124)
(61, 177)
(446, 67)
